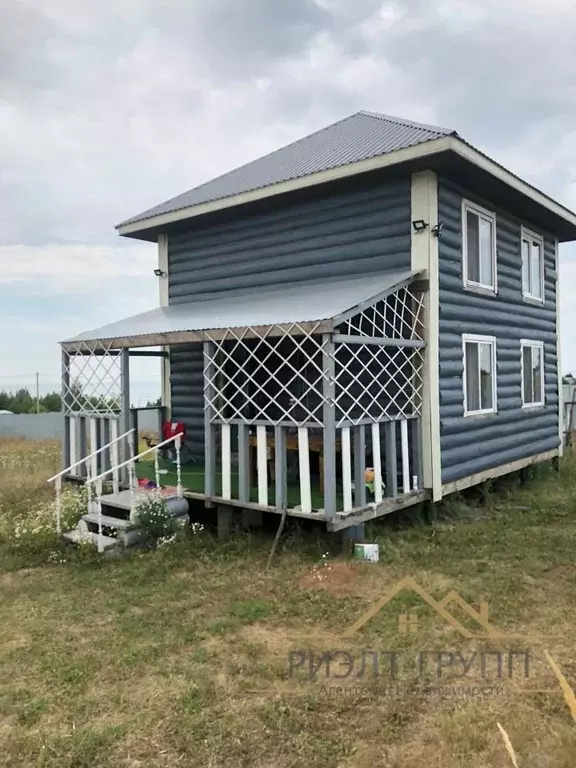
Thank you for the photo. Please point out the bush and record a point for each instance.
(30, 527)
(151, 514)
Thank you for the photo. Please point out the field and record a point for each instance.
(181, 656)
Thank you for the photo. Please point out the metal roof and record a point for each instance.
(357, 137)
(283, 305)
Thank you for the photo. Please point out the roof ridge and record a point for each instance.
(404, 121)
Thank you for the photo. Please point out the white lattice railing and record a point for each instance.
(96, 484)
(90, 464)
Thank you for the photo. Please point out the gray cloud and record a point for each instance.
(109, 108)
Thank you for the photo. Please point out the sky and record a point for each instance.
(109, 108)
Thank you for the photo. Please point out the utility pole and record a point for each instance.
(37, 392)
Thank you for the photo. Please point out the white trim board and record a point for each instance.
(424, 256)
(559, 359)
(503, 469)
(419, 151)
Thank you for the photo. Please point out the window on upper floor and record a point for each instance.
(479, 374)
(532, 265)
(478, 247)
(532, 373)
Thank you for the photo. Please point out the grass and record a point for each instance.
(180, 656)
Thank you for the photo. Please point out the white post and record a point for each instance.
(93, 446)
(99, 508)
(304, 465)
(405, 456)
(346, 469)
(377, 460)
(262, 465)
(226, 462)
(156, 469)
(58, 505)
(179, 489)
(114, 456)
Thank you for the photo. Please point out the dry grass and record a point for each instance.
(180, 657)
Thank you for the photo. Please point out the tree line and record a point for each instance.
(23, 401)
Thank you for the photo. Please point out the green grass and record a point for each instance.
(180, 656)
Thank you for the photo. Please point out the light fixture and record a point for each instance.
(159, 273)
(437, 229)
(419, 225)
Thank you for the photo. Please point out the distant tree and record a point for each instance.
(154, 403)
(51, 402)
(23, 401)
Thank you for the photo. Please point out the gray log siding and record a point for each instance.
(476, 443)
(352, 233)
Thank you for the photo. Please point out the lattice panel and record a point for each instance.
(399, 316)
(94, 380)
(267, 376)
(376, 383)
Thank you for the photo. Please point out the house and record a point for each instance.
(359, 321)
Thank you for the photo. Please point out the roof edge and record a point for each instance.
(424, 149)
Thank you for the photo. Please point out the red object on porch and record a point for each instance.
(172, 428)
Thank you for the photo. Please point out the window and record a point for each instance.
(479, 374)
(532, 373)
(532, 266)
(478, 247)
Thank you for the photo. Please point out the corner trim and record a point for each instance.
(163, 289)
(559, 357)
(424, 256)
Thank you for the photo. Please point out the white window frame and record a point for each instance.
(533, 345)
(482, 213)
(528, 234)
(467, 338)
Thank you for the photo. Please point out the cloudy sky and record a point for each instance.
(108, 108)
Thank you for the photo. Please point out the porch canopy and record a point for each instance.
(295, 309)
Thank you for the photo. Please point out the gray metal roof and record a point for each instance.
(306, 302)
(356, 137)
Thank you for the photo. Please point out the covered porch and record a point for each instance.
(311, 396)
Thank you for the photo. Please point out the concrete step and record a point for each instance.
(77, 537)
(108, 521)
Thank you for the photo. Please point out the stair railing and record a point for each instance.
(87, 460)
(95, 484)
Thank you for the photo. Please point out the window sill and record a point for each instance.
(532, 406)
(533, 300)
(479, 414)
(481, 289)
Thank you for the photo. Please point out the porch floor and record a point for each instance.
(193, 481)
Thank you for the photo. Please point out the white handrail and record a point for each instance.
(176, 439)
(86, 458)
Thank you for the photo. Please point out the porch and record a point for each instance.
(311, 395)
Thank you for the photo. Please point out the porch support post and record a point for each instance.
(243, 463)
(360, 466)
(209, 439)
(280, 468)
(125, 416)
(416, 454)
(65, 406)
(329, 421)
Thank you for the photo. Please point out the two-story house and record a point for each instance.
(361, 320)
